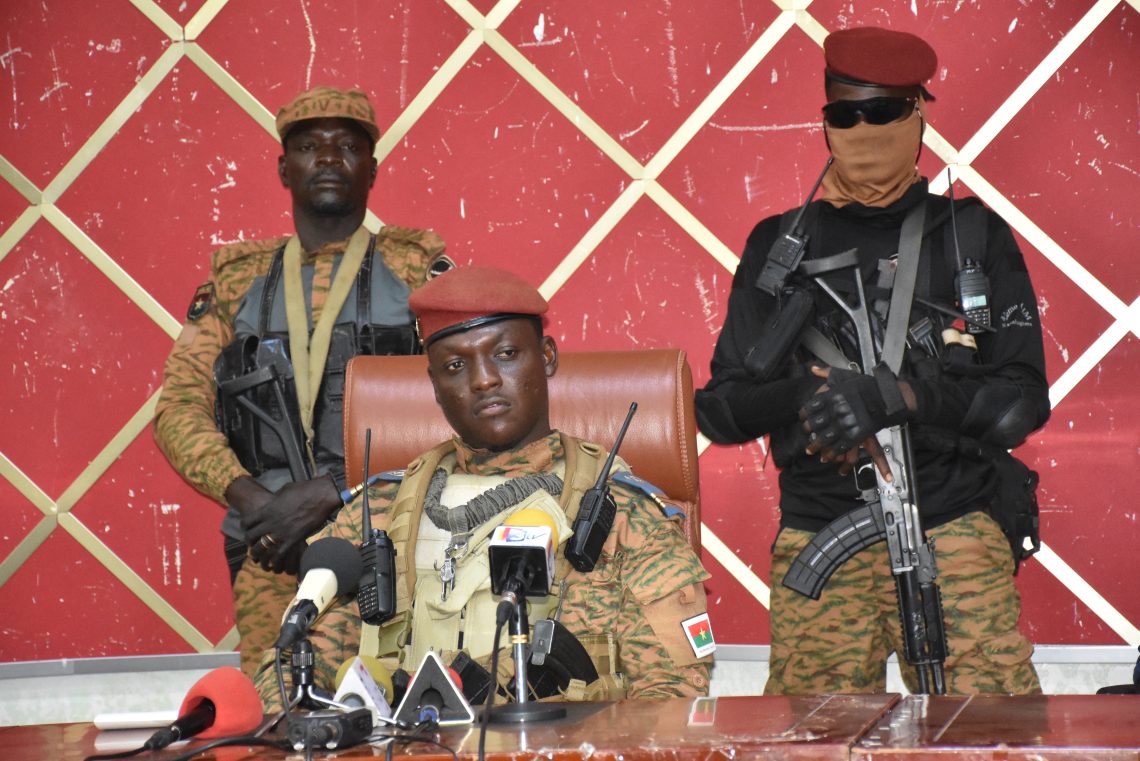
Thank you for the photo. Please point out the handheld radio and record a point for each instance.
(789, 248)
(376, 596)
(970, 282)
(595, 513)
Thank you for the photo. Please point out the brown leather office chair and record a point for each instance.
(589, 398)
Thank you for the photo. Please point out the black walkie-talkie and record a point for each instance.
(970, 282)
(788, 249)
(376, 595)
(595, 513)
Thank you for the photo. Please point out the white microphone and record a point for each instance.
(364, 683)
(330, 568)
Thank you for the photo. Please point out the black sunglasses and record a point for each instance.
(844, 114)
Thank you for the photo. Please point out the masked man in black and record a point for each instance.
(968, 381)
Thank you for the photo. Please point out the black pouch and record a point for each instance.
(1014, 506)
(476, 680)
(1014, 503)
(780, 333)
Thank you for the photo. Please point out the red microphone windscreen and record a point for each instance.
(452, 674)
(237, 707)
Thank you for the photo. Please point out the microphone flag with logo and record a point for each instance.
(363, 682)
(522, 548)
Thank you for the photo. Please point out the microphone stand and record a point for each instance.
(523, 709)
(305, 692)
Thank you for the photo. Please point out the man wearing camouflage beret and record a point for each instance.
(951, 356)
(489, 362)
(250, 410)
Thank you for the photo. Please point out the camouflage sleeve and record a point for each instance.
(336, 635)
(410, 253)
(646, 584)
(184, 424)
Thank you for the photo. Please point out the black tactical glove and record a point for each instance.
(851, 407)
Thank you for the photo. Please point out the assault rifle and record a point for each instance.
(890, 512)
(256, 406)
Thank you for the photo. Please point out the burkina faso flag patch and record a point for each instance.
(699, 632)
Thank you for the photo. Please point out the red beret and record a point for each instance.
(879, 57)
(466, 297)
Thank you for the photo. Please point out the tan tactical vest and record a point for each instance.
(469, 607)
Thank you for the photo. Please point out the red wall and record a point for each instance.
(615, 154)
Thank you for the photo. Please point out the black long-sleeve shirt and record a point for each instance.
(1009, 364)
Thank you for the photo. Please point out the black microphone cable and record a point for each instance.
(492, 688)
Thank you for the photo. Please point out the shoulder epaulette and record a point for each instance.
(655, 493)
(419, 237)
(234, 252)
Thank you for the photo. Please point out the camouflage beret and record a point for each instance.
(874, 56)
(468, 297)
(328, 102)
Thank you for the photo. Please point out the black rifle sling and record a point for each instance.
(902, 293)
(268, 291)
(364, 288)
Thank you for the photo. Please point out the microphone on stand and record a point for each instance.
(434, 696)
(522, 564)
(330, 568)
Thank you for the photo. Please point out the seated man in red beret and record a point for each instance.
(489, 362)
(957, 364)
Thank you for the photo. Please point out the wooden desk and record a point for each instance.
(993, 728)
(808, 728)
(817, 728)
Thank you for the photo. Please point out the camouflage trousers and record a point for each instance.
(260, 599)
(840, 643)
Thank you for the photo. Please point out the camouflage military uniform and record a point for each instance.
(185, 426)
(840, 642)
(646, 583)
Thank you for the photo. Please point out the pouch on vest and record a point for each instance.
(388, 340)
(779, 334)
(328, 412)
(1014, 506)
(470, 604)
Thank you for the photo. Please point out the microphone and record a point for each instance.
(435, 695)
(330, 568)
(522, 558)
(431, 701)
(362, 682)
(224, 702)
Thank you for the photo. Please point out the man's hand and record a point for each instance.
(276, 525)
(844, 415)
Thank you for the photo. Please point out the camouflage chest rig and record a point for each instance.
(427, 618)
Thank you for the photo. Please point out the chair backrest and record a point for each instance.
(589, 398)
